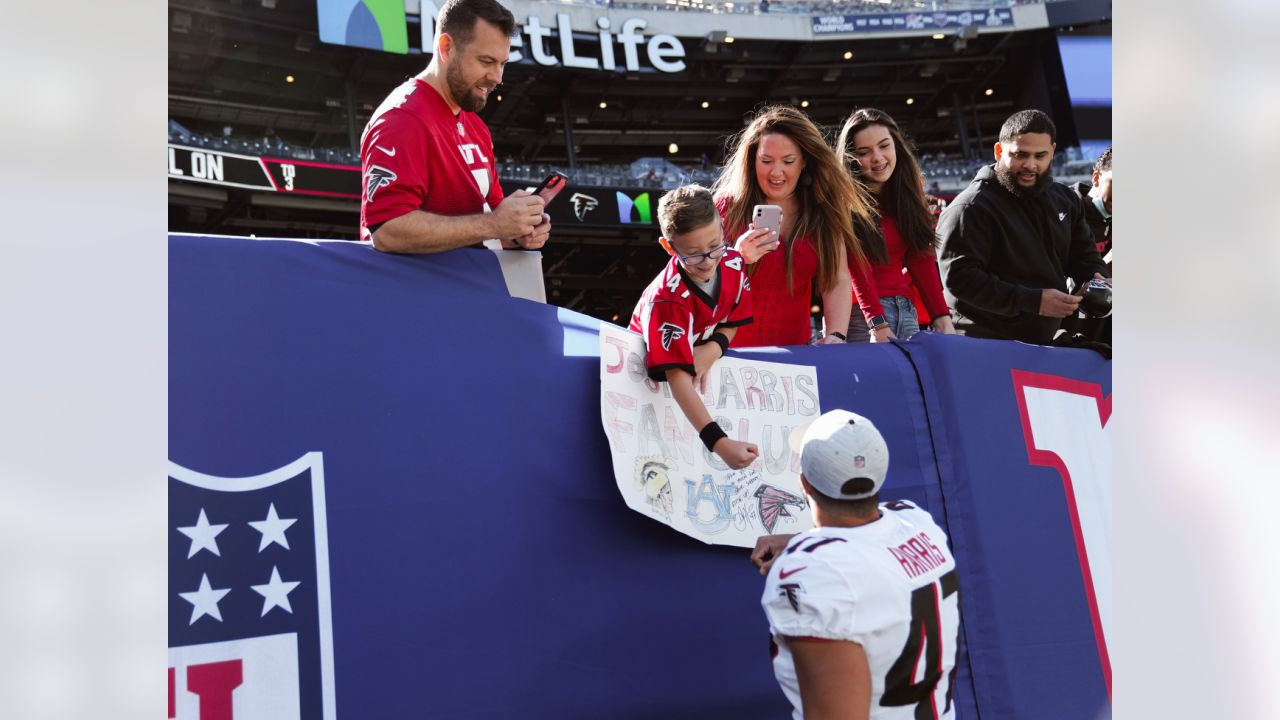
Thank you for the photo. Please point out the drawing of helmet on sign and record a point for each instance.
(651, 474)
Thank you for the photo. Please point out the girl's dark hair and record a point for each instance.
(902, 195)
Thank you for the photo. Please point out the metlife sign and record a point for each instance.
(603, 47)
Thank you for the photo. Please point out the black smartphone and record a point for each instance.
(1092, 284)
(552, 186)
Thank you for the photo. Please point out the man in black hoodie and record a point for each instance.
(1011, 239)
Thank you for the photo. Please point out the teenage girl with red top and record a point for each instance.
(781, 159)
(902, 241)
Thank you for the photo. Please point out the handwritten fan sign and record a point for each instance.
(661, 467)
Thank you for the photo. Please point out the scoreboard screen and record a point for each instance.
(303, 177)
(576, 205)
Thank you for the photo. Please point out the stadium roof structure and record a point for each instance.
(229, 63)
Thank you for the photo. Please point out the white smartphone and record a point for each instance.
(767, 216)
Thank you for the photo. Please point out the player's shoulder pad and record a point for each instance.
(912, 513)
(809, 595)
(811, 549)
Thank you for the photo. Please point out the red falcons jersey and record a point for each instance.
(674, 315)
(416, 154)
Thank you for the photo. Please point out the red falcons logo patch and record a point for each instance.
(377, 177)
(670, 332)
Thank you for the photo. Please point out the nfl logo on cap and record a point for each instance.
(842, 455)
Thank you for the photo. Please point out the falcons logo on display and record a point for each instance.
(670, 332)
(583, 204)
(772, 503)
(377, 177)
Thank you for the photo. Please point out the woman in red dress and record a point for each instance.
(902, 241)
(781, 159)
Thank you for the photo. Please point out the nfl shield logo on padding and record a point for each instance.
(250, 630)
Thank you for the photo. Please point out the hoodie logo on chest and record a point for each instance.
(1062, 216)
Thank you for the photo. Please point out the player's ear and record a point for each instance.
(666, 246)
(999, 150)
(445, 48)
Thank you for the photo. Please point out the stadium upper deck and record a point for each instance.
(256, 68)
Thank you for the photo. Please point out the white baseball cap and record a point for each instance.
(838, 447)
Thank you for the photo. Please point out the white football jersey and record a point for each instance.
(889, 586)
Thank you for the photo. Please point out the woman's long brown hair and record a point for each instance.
(827, 203)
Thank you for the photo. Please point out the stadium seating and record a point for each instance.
(951, 173)
(262, 146)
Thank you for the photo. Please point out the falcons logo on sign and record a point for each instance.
(772, 503)
(670, 332)
(583, 204)
(377, 177)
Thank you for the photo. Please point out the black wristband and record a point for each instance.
(711, 434)
(839, 334)
(722, 340)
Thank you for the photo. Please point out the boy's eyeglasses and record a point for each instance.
(699, 258)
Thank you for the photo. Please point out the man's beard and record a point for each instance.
(1009, 181)
(462, 92)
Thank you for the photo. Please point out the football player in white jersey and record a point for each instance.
(864, 608)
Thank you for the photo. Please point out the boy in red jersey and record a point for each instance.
(692, 309)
